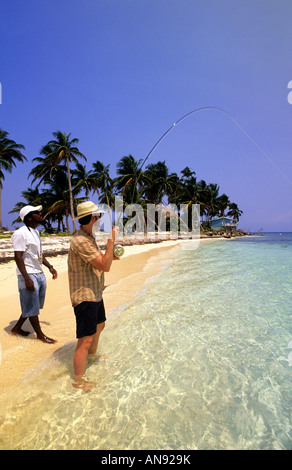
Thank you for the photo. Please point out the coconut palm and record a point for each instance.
(46, 169)
(31, 196)
(57, 151)
(222, 204)
(213, 193)
(187, 173)
(104, 184)
(129, 179)
(83, 180)
(159, 182)
(9, 154)
(191, 192)
(234, 211)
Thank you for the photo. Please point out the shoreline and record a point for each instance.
(128, 276)
(54, 245)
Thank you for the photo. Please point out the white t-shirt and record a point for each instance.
(28, 240)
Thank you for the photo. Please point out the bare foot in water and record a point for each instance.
(19, 331)
(83, 384)
(47, 340)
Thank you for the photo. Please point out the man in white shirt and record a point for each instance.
(31, 279)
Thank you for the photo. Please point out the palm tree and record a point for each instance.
(159, 182)
(187, 173)
(83, 180)
(103, 182)
(222, 204)
(234, 211)
(57, 199)
(129, 178)
(192, 192)
(57, 151)
(31, 196)
(46, 169)
(9, 153)
(212, 196)
(160, 187)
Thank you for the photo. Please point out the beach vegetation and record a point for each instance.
(59, 188)
(130, 179)
(103, 184)
(10, 154)
(62, 149)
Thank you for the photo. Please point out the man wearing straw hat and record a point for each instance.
(86, 267)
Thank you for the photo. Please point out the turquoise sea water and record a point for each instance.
(200, 359)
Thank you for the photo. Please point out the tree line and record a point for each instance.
(59, 187)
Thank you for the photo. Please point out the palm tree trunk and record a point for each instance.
(70, 194)
(67, 221)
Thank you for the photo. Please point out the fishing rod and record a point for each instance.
(213, 108)
(210, 108)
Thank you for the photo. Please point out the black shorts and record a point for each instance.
(88, 315)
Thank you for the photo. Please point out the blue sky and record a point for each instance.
(118, 73)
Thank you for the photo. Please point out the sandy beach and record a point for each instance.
(19, 355)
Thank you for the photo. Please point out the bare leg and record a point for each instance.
(79, 362)
(17, 330)
(37, 328)
(93, 348)
(86, 348)
(80, 356)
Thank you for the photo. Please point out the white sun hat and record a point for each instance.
(27, 209)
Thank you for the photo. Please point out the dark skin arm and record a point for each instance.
(51, 269)
(21, 266)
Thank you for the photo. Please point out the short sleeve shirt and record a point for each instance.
(86, 283)
(28, 241)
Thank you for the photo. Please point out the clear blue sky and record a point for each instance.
(118, 73)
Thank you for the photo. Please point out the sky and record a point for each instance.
(116, 74)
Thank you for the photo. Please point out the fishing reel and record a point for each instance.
(118, 250)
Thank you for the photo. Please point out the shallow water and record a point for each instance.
(200, 359)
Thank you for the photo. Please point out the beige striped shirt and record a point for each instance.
(86, 283)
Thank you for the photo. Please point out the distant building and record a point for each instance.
(223, 223)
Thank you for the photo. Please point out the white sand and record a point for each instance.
(19, 354)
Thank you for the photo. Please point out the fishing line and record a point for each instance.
(214, 108)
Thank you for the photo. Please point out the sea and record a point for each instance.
(199, 359)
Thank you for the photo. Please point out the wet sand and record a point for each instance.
(19, 355)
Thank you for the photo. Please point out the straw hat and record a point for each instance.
(27, 209)
(87, 208)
